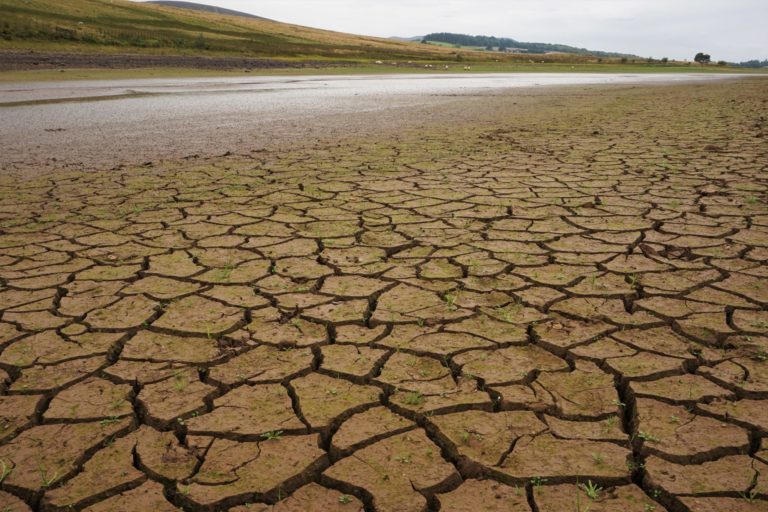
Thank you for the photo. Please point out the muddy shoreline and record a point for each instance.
(98, 135)
(24, 61)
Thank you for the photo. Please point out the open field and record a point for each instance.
(557, 305)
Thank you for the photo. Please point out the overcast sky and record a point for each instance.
(732, 30)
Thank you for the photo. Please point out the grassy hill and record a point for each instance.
(203, 7)
(119, 34)
(119, 26)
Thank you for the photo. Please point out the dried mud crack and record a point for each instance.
(567, 311)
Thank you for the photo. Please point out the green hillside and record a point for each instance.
(203, 7)
(118, 26)
(52, 34)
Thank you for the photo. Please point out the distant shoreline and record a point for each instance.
(28, 60)
(29, 65)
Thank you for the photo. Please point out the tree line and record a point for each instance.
(753, 63)
(504, 43)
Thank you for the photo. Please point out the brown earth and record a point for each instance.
(565, 311)
(21, 60)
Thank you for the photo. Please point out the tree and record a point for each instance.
(702, 58)
(664, 60)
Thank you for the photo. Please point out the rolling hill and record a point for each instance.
(180, 29)
(205, 8)
(120, 26)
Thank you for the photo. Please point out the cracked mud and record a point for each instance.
(567, 311)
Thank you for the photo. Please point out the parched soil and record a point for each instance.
(565, 311)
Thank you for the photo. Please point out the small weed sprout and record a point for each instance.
(5, 470)
(505, 315)
(225, 273)
(514, 309)
(180, 381)
(646, 436)
(414, 398)
(578, 499)
(109, 421)
(592, 490)
(272, 436)
(47, 481)
(751, 496)
(345, 499)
